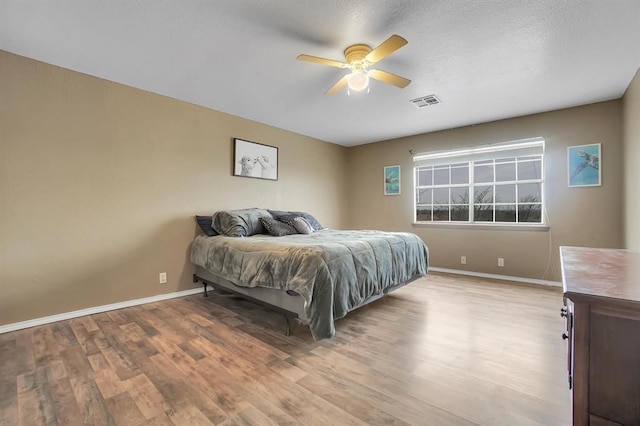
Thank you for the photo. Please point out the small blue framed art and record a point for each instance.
(585, 165)
(392, 180)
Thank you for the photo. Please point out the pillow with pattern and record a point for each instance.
(279, 214)
(288, 219)
(277, 228)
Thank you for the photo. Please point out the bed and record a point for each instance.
(317, 277)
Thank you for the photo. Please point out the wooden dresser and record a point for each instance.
(602, 308)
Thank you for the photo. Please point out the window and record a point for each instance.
(499, 183)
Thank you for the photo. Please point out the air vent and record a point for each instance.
(425, 101)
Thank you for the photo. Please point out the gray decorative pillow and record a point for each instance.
(302, 226)
(239, 223)
(288, 219)
(312, 221)
(277, 228)
(278, 214)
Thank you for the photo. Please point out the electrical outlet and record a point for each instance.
(163, 277)
(463, 260)
(500, 262)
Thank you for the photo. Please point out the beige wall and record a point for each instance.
(578, 216)
(99, 184)
(631, 126)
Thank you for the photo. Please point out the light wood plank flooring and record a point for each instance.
(445, 350)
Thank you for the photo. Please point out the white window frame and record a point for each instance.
(517, 150)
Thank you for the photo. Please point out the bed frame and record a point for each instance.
(287, 302)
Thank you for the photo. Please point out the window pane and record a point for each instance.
(483, 162)
(529, 193)
(505, 172)
(441, 196)
(424, 196)
(505, 160)
(460, 175)
(506, 193)
(483, 213)
(441, 213)
(506, 213)
(425, 176)
(460, 213)
(460, 195)
(423, 213)
(530, 213)
(530, 170)
(483, 174)
(441, 176)
(483, 194)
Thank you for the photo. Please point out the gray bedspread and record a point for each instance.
(333, 271)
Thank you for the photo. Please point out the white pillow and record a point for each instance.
(302, 226)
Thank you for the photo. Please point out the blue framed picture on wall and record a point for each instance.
(584, 165)
(392, 180)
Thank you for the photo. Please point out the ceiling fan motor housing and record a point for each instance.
(355, 55)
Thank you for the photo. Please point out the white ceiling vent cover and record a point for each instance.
(425, 101)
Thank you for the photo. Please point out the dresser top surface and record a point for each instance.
(601, 273)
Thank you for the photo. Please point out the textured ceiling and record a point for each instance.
(486, 60)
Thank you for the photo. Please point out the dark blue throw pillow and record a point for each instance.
(205, 225)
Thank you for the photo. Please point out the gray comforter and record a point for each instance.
(333, 271)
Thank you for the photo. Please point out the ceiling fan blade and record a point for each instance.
(322, 61)
(385, 49)
(387, 77)
(338, 86)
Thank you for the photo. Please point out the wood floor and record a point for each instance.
(445, 350)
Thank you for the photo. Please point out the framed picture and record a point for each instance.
(584, 162)
(255, 160)
(392, 180)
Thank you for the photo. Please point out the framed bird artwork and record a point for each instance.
(392, 180)
(584, 165)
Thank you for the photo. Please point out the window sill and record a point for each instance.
(484, 227)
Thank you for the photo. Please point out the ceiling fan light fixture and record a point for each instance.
(359, 58)
(358, 80)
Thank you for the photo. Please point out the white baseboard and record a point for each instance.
(95, 310)
(497, 277)
(119, 305)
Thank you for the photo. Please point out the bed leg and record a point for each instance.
(287, 331)
(290, 324)
(204, 284)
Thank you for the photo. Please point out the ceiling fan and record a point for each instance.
(359, 57)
